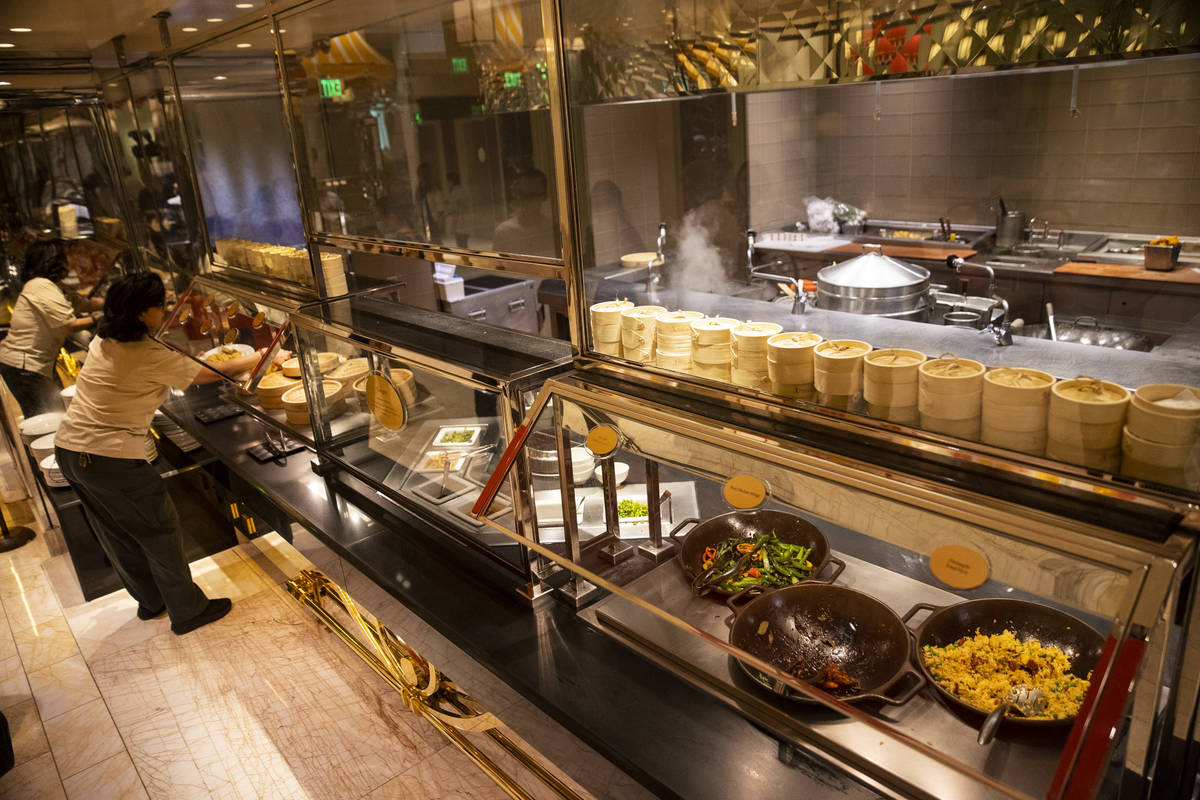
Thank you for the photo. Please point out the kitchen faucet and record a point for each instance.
(998, 326)
(799, 297)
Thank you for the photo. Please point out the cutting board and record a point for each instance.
(1134, 272)
(909, 252)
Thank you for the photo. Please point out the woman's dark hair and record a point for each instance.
(125, 302)
(45, 259)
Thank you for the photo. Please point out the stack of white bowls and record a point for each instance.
(637, 332)
(1085, 423)
(1162, 433)
(838, 371)
(41, 447)
(749, 365)
(582, 464)
(606, 325)
(38, 426)
(673, 340)
(949, 393)
(712, 348)
(68, 394)
(1015, 408)
(890, 379)
(790, 363)
(51, 472)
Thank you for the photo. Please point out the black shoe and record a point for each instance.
(215, 609)
(149, 613)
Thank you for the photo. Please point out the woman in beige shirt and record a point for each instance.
(41, 319)
(101, 450)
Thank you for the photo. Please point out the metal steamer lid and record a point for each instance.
(873, 275)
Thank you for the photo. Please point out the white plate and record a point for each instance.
(243, 350)
(474, 430)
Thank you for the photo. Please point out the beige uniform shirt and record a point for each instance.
(39, 327)
(120, 387)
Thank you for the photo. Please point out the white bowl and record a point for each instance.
(620, 468)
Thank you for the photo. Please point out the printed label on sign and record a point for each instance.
(745, 491)
(385, 402)
(231, 336)
(602, 440)
(958, 566)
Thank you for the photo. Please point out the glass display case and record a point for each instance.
(418, 404)
(238, 138)
(427, 125)
(216, 320)
(861, 614)
(755, 212)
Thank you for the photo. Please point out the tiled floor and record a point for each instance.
(263, 703)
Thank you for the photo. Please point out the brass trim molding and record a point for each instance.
(426, 691)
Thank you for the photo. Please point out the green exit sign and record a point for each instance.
(512, 80)
(331, 87)
(458, 66)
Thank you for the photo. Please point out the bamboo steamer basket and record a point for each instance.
(295, 402)
(840, 355)
(794, 374)
(350, 370)
(673, 340)
(949, 406)
(950, 375)
(1155, 454)
(272, 387)
(1150, 420)
(712, 343)
(904, 415)
(1015, 386)
(837, 383)
(790, 358)
(1089, 400)
(890, 377)
(1147, 472)
(1088, 435)
(637, 332)
(1031, 442)
(962, 428)
(606, 325)
(795, 391)
(325, 362)
(1106, 459)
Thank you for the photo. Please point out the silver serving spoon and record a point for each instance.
(1026, 701)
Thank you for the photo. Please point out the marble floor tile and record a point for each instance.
(61, 574)
(8, 647)
(227, 574)
(62, 687)
(162, 758)
(114, 778)
(14, 687)
(83, 737)
(44, 645)
(33, 780)
(35, 607)
(28, 736)
(109, 624)
(20, 577)
(444, 775)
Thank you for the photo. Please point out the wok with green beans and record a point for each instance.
(766, 548)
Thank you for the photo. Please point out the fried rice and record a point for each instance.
(981, 669)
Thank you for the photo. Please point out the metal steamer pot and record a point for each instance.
(876, 285)
(812, 625)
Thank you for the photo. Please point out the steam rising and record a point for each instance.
(698, 260)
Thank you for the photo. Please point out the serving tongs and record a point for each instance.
(711, 576)
(1026, 701)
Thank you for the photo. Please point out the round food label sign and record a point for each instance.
(958, 566)
(745, 491)
(385, 402)
(602, 440)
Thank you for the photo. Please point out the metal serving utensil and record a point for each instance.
(709, 576)
(1026, 701)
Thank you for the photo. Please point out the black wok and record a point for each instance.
(816, 624)
(746, 525)
(1051, 627)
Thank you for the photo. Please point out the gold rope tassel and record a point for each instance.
(425, 690)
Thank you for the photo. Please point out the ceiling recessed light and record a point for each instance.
(219, 77)
(244, 44)
(189, 29)
(21, 30)
(215, 19)
(7, 44)
(244, 5)
(5, 83)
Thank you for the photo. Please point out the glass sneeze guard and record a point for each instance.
(615, 528)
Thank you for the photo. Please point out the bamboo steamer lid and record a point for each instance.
(606, 320)
(1150, 419)
(325, 362)
(678, 322)
(893, 365)
(350, 370)
(1155, 454)
(637, 317)
(1017, 386)
(949, 374)
(755, 335)
(840, 355)
(1089, 400)
(793, 347)
(713, 330)
(1031, 442)
(637, 260)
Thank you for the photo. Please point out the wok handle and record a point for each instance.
(912, 612)
(674, 534)
(734, 600)
(840, 567)
(987, 731)
(907, 694)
